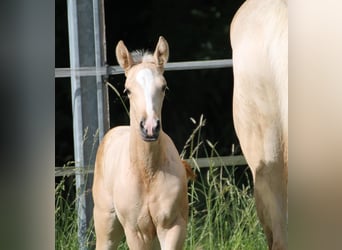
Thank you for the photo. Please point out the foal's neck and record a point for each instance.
(146, 156)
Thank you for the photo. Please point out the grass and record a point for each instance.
(222, 215)
(65, 217)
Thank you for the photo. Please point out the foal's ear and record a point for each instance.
(161, 53)
(123, 56)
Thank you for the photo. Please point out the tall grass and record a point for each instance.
(66, 231)
(222, 215)
(65, 216)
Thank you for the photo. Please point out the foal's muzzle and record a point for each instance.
(150, 129)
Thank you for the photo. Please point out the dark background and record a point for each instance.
(195, 30)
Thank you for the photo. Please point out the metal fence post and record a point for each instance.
(89, 98)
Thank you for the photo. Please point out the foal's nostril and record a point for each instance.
(142, 124)
(157, 128)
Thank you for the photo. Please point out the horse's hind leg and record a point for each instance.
(270, 193)
(108, 229)
(172, 237)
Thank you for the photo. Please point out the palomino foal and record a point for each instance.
(140, 183)
(259, 39)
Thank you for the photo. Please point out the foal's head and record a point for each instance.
(145, 86)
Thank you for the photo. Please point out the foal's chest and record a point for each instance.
(143, 207)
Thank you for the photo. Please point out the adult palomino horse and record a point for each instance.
(140, 183)
(259, 39)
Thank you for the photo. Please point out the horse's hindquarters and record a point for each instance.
(259, 43)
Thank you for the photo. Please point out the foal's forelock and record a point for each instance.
(142, 56)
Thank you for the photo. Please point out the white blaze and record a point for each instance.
(145, 80)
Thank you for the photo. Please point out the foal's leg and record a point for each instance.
(173, 237)
(108, 229)
(270, 197)
(137, 241)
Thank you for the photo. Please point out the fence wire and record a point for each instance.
(116, 70)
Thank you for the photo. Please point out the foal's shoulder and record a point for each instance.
(168, 140)
(119, 130)
(116, 133)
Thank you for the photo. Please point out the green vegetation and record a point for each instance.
(65, 217)
(222, 216)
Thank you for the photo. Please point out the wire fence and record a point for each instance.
(234, 160)
(116, 70)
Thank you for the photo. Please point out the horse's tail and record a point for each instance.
(189, 173)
